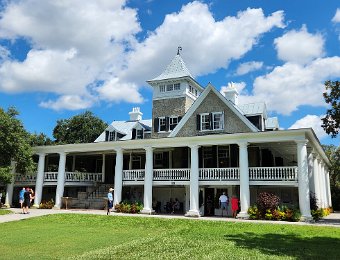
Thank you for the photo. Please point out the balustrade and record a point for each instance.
(273, 173)
(219, 174)
(133, 175)
(171, 174)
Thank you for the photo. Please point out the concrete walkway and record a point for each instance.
(332, 220)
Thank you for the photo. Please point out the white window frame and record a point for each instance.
(173, 122)
(112, 136)
(205, 120)
(161, 123)
(220, 122)
(169, 87)
(140, 133)
(177, 86)
(162, 88)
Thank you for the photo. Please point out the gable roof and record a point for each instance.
(176, 69)
(125, 127)
(199, 101)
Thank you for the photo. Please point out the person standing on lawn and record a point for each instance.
(21, 196)
(27, 200)
(109, 201)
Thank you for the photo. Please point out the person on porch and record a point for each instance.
(224, 202)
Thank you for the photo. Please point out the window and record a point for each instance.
(162, 88)
(162, 124)
(191, 89)
(223, 156)
(210, 121)
(218, 121)
(112, 136)
(139, 134)
(196, 92)
(173, 122)
(205, 121)
(158, 160)
(136, 162)
(177, 86)
(169, 87)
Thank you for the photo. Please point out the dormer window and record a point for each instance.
(139, 134)
(210, 121)
(169, 87)
(177, 86)
(162, 88)
(173, 122)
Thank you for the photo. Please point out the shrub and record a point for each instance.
(253, 213)
(267, 201)
(46, 204)
(127, 207)
(313, 201)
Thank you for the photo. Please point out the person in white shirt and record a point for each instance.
(224, 201)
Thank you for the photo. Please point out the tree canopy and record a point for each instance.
(331, 122)
(14, 146)
(82, 128)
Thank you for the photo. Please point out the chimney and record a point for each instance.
(231, 93)
(135, 114)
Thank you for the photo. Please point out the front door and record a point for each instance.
(209, 202)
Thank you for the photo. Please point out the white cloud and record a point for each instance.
(240, 87)
(312, 121)
(247, 67)
(70, 102)
(208, 44)
(78, 44)
(74, 44)
(336, 18)
(292, 85)
(299, 46)
(114, 90)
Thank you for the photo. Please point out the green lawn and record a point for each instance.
(5, 212)
(111, 237)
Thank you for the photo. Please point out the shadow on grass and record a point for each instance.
(288, 245)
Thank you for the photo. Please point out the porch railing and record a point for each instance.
(133, 175)
(74, 177)
(273, 173)
(83, 177)
(171, 174)
(30, 178)
(219, 174)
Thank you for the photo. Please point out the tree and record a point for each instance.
(331, 122)
(14, 146)
(40, 140)
(82, 128)
(333, 154)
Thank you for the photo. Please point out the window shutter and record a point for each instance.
(134, 133)
(106, 136)
(211, 121)
(155, 124)
(167, 123)
(198, 122)
(179, 118)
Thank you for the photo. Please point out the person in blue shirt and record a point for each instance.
(21, 196)
(109, 201)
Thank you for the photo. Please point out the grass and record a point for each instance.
(76, 236)
(5, 212)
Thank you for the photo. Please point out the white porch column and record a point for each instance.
(311, 172)
(328, 185)
(39, 181)
(187, 198)
(304, 201)
(117, 193)
(244, 180)
(103, 167)
(61, 180)
(148, 181)
(322, 184)
(316, 179)
(194, 186)
(10, 187)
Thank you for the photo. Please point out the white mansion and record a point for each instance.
(198, 144)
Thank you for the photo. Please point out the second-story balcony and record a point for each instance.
(276, 174)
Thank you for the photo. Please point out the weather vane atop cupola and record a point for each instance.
(179, 48)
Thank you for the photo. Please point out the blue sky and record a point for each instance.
(60, 58)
